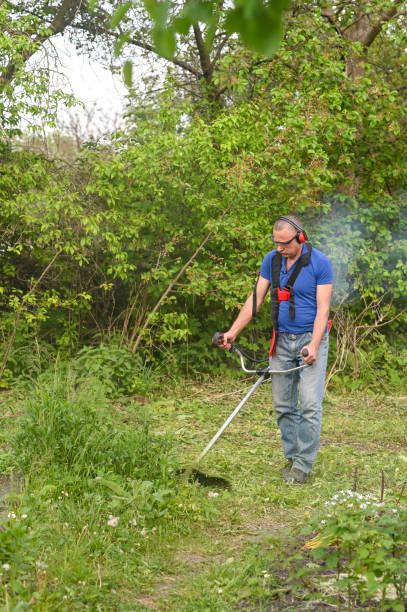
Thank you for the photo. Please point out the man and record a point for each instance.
(300, 318)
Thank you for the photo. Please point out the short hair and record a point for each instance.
(282, 223)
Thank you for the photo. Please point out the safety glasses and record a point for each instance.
(283, 243)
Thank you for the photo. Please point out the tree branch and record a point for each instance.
(205, 60)
(364, 31)
(147, 47)
(329, 14)
(57, 25)
(173, 283)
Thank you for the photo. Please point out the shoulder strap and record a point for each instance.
(275, 267)
(274, 286)
(302, 262)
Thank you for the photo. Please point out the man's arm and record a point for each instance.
(245, 315)
(323, 302)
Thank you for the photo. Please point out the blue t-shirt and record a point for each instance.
(318, 272)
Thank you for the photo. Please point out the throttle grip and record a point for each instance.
(304, 353)
(217, 338)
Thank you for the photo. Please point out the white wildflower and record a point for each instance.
(213, 494)
(40, 564)
(134, 522)
(144, 532)
(363, 506)
(6, 567)
(113, 521)
(24, 516)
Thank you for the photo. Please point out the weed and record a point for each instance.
(118, 531)
(64, 428)
(364, 541)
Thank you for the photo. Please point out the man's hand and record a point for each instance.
(226, 340)
(312, 353)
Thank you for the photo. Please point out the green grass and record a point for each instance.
(175, 546)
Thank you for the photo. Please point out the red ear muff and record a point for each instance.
(301, 234)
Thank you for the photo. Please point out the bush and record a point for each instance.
(120, 372)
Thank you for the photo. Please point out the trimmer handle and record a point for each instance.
(218, 338)
(304, 352)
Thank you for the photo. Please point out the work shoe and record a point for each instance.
(285, 470)
(297, 476)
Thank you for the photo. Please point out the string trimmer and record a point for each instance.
(264, 374)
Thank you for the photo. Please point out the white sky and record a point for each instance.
(102, 92)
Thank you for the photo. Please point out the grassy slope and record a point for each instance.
(216, 552)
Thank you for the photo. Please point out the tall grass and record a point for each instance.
(69, 426)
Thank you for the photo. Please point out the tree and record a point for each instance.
(164, 229)
(361, 23)
(23, 92)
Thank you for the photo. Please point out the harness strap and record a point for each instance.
(273, 342)
(278, 295)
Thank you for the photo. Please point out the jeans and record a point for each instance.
(300, 425)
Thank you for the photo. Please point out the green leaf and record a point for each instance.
(181, 25)
(258, 24)
(165, 41)
(198, 10)
(120, 42)
(158, 11)
(119, 14)
(113, 486)
(128, 73)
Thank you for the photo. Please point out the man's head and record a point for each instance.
(288, 236)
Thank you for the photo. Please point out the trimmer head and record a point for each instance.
(194, 475)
